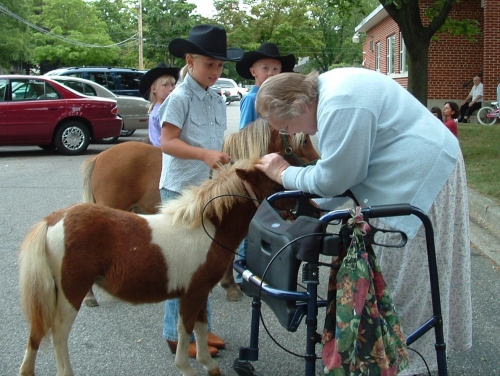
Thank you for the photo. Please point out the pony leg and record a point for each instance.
(28, 365)
(90, 299)
(233, 291)
(63, 321)
(181, 355)
(202, 355)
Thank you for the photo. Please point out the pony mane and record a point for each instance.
(253, 140)
(189, 208)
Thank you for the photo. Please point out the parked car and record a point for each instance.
(35, 110)
(229, 84)
(225, 94)
(133, 110)
(121, 81)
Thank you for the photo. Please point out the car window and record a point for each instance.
(103, 78)
(75, 74)
(81, 87)
(225, 83)
(30, 89)
(129, 81)
(3, 89)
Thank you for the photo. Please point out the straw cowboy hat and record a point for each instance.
(151, 75)
(267, 50)
(206, 40)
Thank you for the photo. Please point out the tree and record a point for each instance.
(164, 20)
(120, 18)
(284, 22)
(74, 32)
(417, 36)
(14, 34)
(335, 20)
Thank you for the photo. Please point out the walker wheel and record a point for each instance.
(244, 368)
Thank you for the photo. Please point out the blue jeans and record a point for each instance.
(172, 306)
(242, 255)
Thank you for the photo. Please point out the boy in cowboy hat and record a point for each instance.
(193, 120)
(259, 65)
(156, 85)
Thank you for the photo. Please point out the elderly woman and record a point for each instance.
(379, 142)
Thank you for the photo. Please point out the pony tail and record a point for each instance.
(87, 169)
(36, 282)
(183, 72)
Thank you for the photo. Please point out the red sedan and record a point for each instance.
(39, 111)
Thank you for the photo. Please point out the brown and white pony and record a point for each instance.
(126, 176)
(139, 259)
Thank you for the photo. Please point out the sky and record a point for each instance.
(204, 7)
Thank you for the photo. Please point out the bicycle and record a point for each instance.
(488, 115)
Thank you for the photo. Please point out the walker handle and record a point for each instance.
(393, 210)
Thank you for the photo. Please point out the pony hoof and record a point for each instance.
(234, 294)
(215, 372)
(91, 302)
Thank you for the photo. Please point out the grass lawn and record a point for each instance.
(481, 149)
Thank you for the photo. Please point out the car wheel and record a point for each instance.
(241, 96)
(127, 132)
(107, 140)
(72, 138)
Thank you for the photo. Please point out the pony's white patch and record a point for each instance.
(184, 249)
(55, 248)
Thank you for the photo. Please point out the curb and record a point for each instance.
(484, 212)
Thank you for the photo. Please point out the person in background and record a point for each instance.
(259, 66)
(368, 146)
(193, 120)
(450, 112)
(156, 85)
(473, 102)
(436, 111)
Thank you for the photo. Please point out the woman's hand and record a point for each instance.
(273, 165)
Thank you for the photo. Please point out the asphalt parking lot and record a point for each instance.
(117, 338)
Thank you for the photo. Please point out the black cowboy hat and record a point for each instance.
(151, 75)
(206, 40)
(266, 50)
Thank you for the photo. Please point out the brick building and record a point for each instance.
(453, 60)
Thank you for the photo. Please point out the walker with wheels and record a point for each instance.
(278, 249)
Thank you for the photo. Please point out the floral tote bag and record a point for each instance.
(362, 334)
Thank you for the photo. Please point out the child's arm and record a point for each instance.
(171, 144)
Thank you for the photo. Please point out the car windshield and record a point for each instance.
(224, 84)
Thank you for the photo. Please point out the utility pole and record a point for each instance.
(139, 21)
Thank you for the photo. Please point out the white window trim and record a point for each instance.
(402, 55)
(377, 56)
(391, 54)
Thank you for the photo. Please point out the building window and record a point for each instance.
(377, 56)
(391, 54)
(403, 58)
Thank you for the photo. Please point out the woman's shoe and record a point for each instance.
(172, 345)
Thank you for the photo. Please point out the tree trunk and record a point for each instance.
(418, 71)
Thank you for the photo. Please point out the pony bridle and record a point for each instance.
(251, 193)
(291, 154)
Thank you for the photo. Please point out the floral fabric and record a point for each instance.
(362, 334)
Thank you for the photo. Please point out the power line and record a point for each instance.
(60, 37)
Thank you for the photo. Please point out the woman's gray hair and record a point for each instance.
(285, 95)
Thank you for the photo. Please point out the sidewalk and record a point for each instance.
(485, 224)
